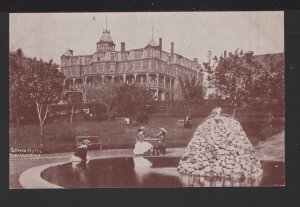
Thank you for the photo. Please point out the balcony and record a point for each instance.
(152, 84)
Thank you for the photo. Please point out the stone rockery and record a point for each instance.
(220, 148)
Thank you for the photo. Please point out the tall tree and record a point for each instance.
(34, 83)
(134, 98)
(233, 78)
(74, 99)
(19, 76)
(249, 81)
(191, 89)
(129, 99)
(106, 95)
(45, 87)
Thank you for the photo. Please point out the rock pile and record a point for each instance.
(220, 148)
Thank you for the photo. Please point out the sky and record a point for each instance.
(49, 35)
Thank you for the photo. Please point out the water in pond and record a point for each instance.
(149, 172)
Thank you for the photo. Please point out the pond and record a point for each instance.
(149, 172)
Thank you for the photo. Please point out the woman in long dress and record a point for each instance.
(160, 146)
(141, 146)
(81, 153)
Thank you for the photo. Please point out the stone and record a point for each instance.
(219, 147)
(205, 163)
(207, 169)
(217, 169)
(243, 162)
(229, 166)
(226, 171)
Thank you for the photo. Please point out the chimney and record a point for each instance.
(195, 60)
(224, 53)
(160, 47)
(172, 52)
(122, 46)
(160, 43)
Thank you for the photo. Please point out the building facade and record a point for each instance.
(150, 66)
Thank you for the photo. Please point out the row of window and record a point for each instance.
(127, 67)
(137, 55)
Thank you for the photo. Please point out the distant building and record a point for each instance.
(150, 66)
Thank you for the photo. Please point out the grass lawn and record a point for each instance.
(60, 135)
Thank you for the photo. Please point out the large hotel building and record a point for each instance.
(149, 66)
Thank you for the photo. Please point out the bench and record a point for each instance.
(95, 140)
(180, 122)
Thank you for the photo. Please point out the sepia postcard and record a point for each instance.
(146, 100)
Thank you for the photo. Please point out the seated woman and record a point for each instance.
(81, 153)
(160, 146)
(187, 121)
(141, 146)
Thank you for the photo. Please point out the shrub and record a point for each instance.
(142, 117)
(100, 111)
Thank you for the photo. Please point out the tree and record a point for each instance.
(268, 87)
(233, 78)
(248, 81)
(191, 89)
(19, 76)
(45, 87)
(105, 94)
(33, 83)
(128, 99)
(134, 98)
(73, 99)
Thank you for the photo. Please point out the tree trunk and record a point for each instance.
(270, 118)
(41, 119)
(72, 113)
(233, 114)
(108, 115)
(189, 112)
(18, 121)
(42, 136)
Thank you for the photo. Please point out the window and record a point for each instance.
(138, 54)
(94, 70)
(153, 65)
(98, 58)
(149, 54)
(67, 71)
(72, 72)
(123, 57)
(121, 67)
(99, 68)
(130, 66)
(87, 60)
(102, 66)
(74, 61)
(138, 65)
(112, 56)
(112, 68)
(145, 65)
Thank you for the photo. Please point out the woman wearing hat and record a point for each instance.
(141, 146)
(160, 146)
(81, 152)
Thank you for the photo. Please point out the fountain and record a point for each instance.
(220, 148)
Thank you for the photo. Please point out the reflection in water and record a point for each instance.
(79, 169)
(142, 168)
(149, 172)
(197, 181)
